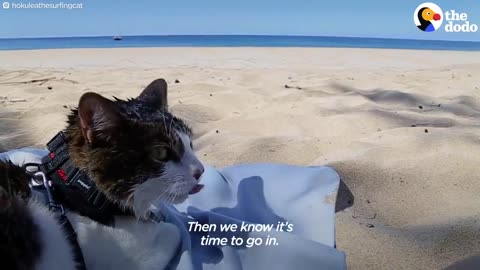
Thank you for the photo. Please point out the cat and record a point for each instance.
(136, 152)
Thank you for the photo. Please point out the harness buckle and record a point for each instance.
(52, 204)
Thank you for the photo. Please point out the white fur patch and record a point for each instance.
(131, 244)
(56, 250)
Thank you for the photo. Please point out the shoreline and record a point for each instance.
(237, 41)
(245, 47)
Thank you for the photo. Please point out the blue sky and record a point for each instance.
(376, 18)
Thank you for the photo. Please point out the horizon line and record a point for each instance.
(233, 35)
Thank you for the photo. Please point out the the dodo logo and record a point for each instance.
(428, 17)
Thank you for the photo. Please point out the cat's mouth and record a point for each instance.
(197, 188)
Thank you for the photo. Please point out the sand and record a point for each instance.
(400, 126)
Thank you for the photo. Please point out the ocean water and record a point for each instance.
(233, 41)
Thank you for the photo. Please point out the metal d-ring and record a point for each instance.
(51, 201)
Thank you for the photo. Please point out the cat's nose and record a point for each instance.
(197, 172)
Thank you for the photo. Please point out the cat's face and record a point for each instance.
(136, 151)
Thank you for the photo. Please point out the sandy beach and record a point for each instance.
(402, 127)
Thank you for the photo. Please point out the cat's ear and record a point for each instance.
(156, 94)
(99, 117)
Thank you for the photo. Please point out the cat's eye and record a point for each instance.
(160, 153)
(191, 145)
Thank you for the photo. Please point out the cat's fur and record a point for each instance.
(137, 152)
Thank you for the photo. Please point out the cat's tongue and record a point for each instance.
(196, 189)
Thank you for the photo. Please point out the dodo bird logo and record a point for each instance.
(428, 17)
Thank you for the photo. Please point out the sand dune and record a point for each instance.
(401, 127)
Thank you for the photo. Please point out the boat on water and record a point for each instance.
(117, 38)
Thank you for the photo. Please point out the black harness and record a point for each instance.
(73, 188)
(63, 186)
(59, 212)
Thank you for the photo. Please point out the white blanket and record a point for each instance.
(252, 194)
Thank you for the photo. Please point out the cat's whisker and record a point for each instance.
(162, 194)
(167, 199)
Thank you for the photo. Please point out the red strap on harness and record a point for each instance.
(62, 175)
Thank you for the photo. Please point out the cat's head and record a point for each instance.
(135, 150)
